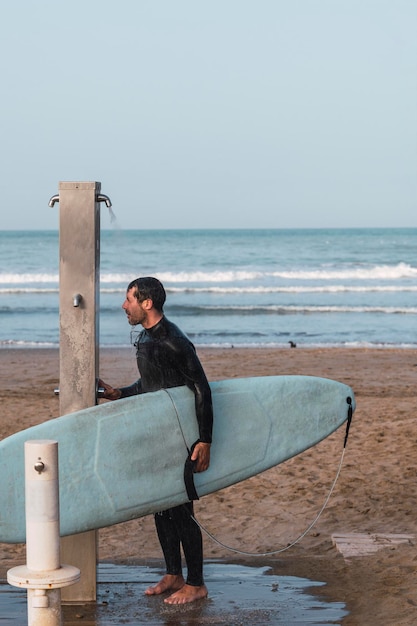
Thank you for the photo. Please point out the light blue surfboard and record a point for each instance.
(125, 459)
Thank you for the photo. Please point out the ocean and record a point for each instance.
(318, 287)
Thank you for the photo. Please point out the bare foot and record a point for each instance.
(169, 582)
(187, 594)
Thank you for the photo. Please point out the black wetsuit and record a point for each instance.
(167, 358)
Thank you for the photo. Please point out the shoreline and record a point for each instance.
(375, 493)
(205, 347)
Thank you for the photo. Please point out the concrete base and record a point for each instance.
(362, 544)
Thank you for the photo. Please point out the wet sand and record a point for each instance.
(376, 491)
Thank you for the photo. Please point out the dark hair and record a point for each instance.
(149, 287)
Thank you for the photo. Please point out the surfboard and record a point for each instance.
(125, 459)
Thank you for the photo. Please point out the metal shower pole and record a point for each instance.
(79, 289)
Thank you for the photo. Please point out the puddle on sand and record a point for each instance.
(238, 595)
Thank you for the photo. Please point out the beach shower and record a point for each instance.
(79, 291)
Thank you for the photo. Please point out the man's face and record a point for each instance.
(136, 311)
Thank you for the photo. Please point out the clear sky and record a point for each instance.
(211, 114)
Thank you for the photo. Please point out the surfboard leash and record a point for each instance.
(349, 419)
(313, 523)
(189, 464)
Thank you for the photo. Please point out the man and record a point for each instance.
(166, 358)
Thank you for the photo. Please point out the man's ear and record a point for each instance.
(147, 304)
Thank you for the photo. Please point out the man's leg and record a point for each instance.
(170, 544)
(192, 543)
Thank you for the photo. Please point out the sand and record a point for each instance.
(375, 493)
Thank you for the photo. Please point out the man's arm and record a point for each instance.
(115, 393)
(196, 379)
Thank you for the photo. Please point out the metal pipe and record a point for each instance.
(77, 299)
(99, 392)
(101, 197)
(53, 199)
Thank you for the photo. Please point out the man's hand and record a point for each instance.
(110, 393)
(201, 454)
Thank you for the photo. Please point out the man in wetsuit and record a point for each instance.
(166, 358)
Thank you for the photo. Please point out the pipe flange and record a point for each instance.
(22, 576)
